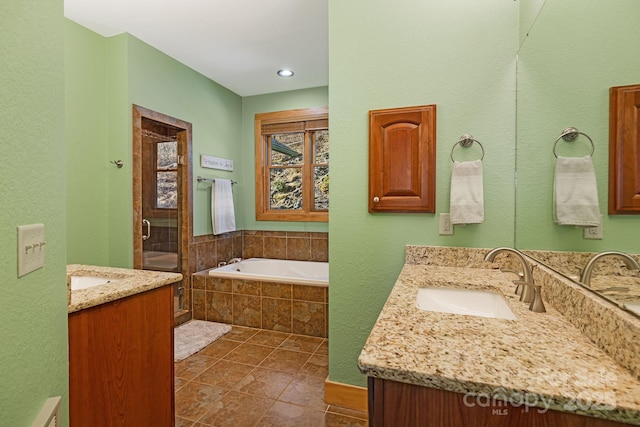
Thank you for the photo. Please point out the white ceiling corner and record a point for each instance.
(240, 44)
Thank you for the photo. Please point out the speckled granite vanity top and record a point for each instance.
(540, 355)
(127, 282)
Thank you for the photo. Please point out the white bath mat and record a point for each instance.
(194, 335)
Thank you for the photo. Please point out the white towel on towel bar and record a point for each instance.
(223, 217)
(466, 205)
(575, 193)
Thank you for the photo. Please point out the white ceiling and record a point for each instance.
(240, 44)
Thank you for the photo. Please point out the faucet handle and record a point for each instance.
(520, 285)
(537, 306)
(527, 292)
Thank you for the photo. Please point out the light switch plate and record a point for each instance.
(30, 248)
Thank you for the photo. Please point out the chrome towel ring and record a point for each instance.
(466, 140)
(569, 135)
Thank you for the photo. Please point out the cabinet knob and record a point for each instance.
(376, 199)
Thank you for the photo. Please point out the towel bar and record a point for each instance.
(201, 179)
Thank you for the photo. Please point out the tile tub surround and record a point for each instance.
(540, 353)
(207, 251)
(284, 307)
(130, 282)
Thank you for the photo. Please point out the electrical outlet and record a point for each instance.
(445, 228)
(593, 232)
(30, 248)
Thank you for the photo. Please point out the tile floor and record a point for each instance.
(258, 378)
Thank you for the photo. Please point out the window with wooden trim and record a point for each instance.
(292, 165)
(160, 180)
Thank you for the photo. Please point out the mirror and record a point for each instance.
(572, 53)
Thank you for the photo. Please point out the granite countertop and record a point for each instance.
(540, 356)
(129, 282)
(620, 288)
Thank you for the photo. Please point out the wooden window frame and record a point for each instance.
(151, 182)
(307, 213)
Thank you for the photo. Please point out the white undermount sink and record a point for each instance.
(464, 301)
(84, 282)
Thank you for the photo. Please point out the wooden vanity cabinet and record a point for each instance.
(402, 159)
(395, 404)
(121, 362)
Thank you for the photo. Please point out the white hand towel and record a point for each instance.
(223, 217)
(467, 198)
(575, 193)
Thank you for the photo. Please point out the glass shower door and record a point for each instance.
(160, 201)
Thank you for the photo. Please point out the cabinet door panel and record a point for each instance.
(402, 159)
(624, 150)
(121, 362)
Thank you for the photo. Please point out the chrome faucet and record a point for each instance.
(234, 260)
(527, 276)
(529, 292)
(629, 261)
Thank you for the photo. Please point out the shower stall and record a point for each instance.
(161, 203)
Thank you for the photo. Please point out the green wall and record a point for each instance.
(86, 145)
(459, 56)
(574, 53)
(33, 308)
(158, 82)
(105, 76)
(252, 105)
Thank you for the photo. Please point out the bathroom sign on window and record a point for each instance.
(212, 162)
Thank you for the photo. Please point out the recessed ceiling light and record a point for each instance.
(285, 73)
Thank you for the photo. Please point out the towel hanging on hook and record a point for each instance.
(575, 191)
(466, 200)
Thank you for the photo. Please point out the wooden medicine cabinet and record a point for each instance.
(624, 150)
(402, 150)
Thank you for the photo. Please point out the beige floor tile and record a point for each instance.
(324, 348)
(221, 385)
(193, 366)
(194, 400)
(224, 374)
(240, 333)
(284, 414)
(337, 420)
(237, 410)
(219, 348)
(317, 365)
(181, 422)
(305, 390)
(264, 382)
(302, 343)
(285, 360)
(178, 383)
(269, 338)
(249, 354)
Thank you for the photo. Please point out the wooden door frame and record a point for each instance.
(185, 175)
